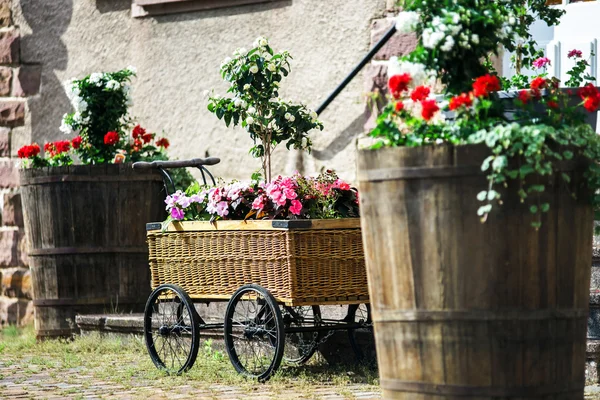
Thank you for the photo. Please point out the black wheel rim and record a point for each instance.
(362, 339)
(300, 346)
(171, 329)
(254, 334)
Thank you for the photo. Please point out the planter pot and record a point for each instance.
(300, 262)
(87, 250)
(463, 308)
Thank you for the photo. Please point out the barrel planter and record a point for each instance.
(465, 309)
(87, 240)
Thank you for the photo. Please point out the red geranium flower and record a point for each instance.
(111, 138)
(137, 131)
(524, 96)
(430, 107)
(49, 148)
(420, 93)
(399, 84)
(552, 104)
(575, 53)
(459, 101)
(538, 83)
(29, 151)
(590, 96)
(62, 146)
(76, 142)
(485, 84)
(147, 137)
(163, 142)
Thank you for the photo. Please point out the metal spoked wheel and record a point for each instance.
(171, 329)
(300, 346)
(362, 338)
(254, 332)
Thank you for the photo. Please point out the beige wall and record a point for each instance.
(178, 57)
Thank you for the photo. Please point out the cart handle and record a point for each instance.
(167, 180)
(194, 162)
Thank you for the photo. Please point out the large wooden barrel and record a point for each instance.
(87, 240)
(465, 309)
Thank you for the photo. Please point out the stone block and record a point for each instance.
(376, 84)
(12, 113)
(5, 79)
(9, 175)
(12, 211)
(4, 142)
(16, 282)
(9, 46)
(5, 14)
(15, 311)
(27, 80)
(398, 45)
(13, 248)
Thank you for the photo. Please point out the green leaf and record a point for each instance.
(533, 209)
(481, 196)
(545, 207)
(484, 209)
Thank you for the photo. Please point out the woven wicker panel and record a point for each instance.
(292, 265)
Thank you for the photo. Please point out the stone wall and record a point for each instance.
(19, 82)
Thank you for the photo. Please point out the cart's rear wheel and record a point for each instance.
(300, 346)
(171, 329)
(254, 332)
(362, 338)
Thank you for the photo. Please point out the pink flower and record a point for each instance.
(340, 184)
(296, 207)
(177, 214)
(259, 203)
(575, 54)
(289, 194)
(222, 208)
(541, 62)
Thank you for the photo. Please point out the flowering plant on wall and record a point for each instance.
(255, 77)
(528, 133)
(295, 197)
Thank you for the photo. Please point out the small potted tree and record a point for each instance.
(87, 245)
(478, 227)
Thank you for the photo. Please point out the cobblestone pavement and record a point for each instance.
(28, 381)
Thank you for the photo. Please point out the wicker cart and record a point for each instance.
(274, 276)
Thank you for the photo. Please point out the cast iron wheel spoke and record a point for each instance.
(300, 346)
(254, 332)
(362, 338)
(165, 316)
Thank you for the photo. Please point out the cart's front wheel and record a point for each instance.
(254, 332)
(300, 346)
(171, 329)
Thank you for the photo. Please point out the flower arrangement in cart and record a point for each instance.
(101, 123)
(254, 77)
(528, 130)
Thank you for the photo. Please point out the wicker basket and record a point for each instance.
(299, 262)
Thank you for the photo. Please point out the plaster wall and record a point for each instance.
(178, 56)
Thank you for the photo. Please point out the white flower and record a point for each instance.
(251, 110)
(263, 42)
(432, 38)
(96, 78)
(448, 44)
(244, 104)
(407, 21)
(254, 69)
(113, 85)
(249, 120)
(242, 51)
(512, 20)
(237, 102)
(82, 105)
(313, 115)
(475, 38)
(292, 118)
(455, 17)
(287, 116)
(132, 69)
(227, 60)
(246, 86)
(64, 127)
(271, 67)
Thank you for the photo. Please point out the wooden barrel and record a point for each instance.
(465, 309)
(87, 240)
